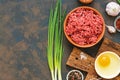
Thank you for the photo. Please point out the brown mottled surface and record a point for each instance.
(23, 38)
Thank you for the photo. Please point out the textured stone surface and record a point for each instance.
(23, 40)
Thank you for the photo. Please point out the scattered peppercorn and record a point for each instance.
(74, 76)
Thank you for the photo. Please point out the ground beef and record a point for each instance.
(84, 26)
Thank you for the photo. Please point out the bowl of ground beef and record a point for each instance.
(84, 27)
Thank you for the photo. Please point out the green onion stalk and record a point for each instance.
(55, 40)
(118, 1)
(50, 45)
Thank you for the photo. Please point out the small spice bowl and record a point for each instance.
(117, 23)
(74, 75)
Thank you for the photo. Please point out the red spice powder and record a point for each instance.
(118, 24)
(84, 26)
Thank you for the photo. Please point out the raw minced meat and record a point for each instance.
(84, 26)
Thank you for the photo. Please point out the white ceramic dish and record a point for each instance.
(115, 23)
(112, 70)
(76, 71)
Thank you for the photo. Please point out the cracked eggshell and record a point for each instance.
(112, 8)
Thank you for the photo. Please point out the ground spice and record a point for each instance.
(118, 24)
(74, 76)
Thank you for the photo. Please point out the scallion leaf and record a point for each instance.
(55, 41)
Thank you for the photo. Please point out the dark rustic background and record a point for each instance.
(23, 38)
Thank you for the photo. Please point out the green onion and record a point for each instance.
(55, 39)
(50, 45)
(118, 1)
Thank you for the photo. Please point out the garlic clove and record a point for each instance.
(111, 29)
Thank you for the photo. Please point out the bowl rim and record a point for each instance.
(106, 77)
(73, 71)
(118, 17)
(88, 45)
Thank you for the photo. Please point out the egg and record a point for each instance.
(107, 65)
(104, 60)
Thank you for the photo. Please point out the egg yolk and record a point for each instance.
(104, 60)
